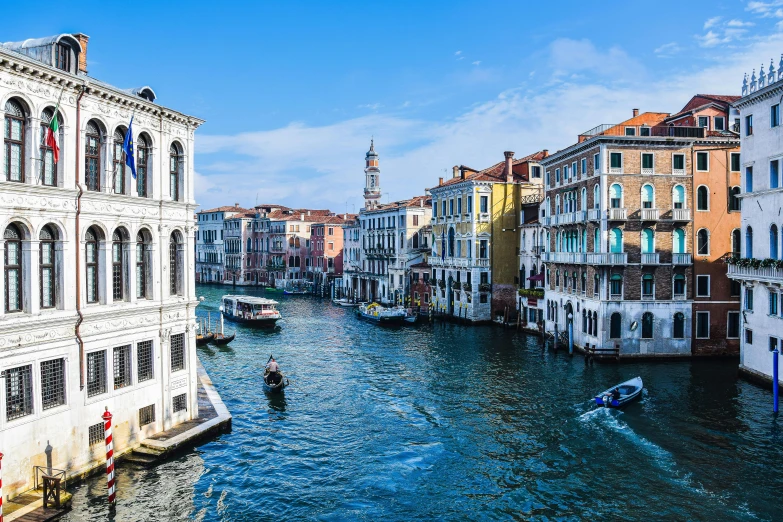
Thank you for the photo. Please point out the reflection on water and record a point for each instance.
(450, 422)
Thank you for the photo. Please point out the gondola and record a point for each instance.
(220, 338)
(202, 339)
(275, 386)
(629, 390)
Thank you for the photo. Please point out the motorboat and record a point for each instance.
(344, 302)
(621, 394)
(378, 314)
(298, 288)
(250, 310)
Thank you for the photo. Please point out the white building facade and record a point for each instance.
(759, 267)
(98, 289)
(210, 249)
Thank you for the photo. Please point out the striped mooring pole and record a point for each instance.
(1, 487)
(109, 457)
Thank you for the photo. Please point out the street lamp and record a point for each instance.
(570, 333)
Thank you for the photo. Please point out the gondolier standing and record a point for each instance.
(272, 366)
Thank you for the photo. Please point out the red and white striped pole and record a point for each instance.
(109, 457)
(1, 487)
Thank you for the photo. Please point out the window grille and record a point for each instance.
(144, 361)
(52, 383)
(96, 434)
(46, 263)
(14, 141)
(19, 392)
(177, 352)
(92, 157)
(116, 267)
(96, 373)
(147, 415)
(181, 402)
(122, 367)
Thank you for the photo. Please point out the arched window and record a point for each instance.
(736, 243)
(615, 240)
(175, 264)
(14, 282)
(678, 243)
(589, 323)
(584, 320)
(596, 284)
(615, 327)
(142, 253)
(749, 242)
(415, 241)
(703, 242)
(297, 262)
(615, 196)
(773, 242)
(48, 164)
(596, 196)
(595, 324)
(702, 198)
(648, 286)
(47, 262)
(678, 288)
(678, 329)
(175, 160)
(118, 162)
(584, 199)
(91, 259)
(596, 240)
(735, 203)
(119, 241)
(648, 321)
(291, 261)
(557, 204)
(451, 243)
(584, 282)
(249, 245)
(142, 166)
(14, 141)
(616, 286)
(648, 196)
(648, 241)
(678, 196)
(92, 156)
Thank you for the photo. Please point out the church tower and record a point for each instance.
(372, 186)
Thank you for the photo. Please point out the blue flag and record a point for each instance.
(127, 147)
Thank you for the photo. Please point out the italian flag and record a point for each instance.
(51, 140)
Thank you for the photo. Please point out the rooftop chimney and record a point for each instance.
(236, 205)
(462, 172)
(635, 113)
(454, 170)
(440, 181)
(509, 167)
(546, 153)
(83, 39)
(302, 216)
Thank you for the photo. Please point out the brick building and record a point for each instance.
(420, 289)
(326, 251)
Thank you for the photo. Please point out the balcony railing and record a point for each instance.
(682, 259)
(770, 274)
(608, 258)
(678, 172)
(650, 259)
(679, 132)
(547, 221)
(617, 214)
(458, 262)
(594, 214)
(648, 214)
(681, 214)
(565, 257)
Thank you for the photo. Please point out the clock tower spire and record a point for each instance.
(372, 173)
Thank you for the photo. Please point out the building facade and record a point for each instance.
(758, 267)
(326, 243)
(98, 287)
(210, 252)
(531, 303)
(238, 246)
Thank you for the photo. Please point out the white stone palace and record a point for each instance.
(98, 288)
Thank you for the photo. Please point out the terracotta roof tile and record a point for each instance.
(495, 172)
(227, 208)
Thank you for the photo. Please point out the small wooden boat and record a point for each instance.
(620, 395)
(220, 338)
(250, 310)
(273, 290)
(377, 314)
(202, 339)
(279, 383)
(344, 302)
(411, 318)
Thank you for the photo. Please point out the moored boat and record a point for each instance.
(276, 383)
(250, 310)
(223, 339)
(378, 314)
(205, 338)
(620, 395)
(344, 302)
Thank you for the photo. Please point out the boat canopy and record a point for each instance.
(251, 300)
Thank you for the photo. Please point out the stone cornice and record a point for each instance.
(770, 91)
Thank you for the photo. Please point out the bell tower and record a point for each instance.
(372, 185)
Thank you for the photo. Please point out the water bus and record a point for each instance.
(376, 313)
(250, 310)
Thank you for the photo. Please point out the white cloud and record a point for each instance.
(568, 56)
(766, 9)
(667, 50)
(739, 23)
(322, 166)
(477, 62)
(457, 53)
(711, 22)
(372, 106)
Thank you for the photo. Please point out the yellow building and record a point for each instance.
(476, 216)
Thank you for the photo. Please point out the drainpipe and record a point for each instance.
(76, 236)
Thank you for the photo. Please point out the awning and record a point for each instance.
(537, 277)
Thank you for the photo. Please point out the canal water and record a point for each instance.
(449, 422)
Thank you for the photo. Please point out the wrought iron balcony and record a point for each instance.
(682, 259)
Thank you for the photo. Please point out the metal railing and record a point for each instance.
(649, 214)
(682, 259)
(650, 259)
(769, 273)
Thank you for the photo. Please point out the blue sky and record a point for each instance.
(292, 91)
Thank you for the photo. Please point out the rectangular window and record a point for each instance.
(584, 166)
(773, 343)
(702, 286)
(720, 123)
(644, 131)
(52, 383)
(773, 303)
(557, 175)
(702, 325)
(483, 278)
(749, 299)
(647, 163)
(748, 336)
(122, 367)
(735, 161)
(704, 121)
(18, 392)
(147, 415)
(733, 326)
(482, 298)
(180, 402)
(415, 220)
(459, 206)
(749, 125)
(443, 208)
(596, 163)
(573, 169)
(536, 171)
(548, 180)
(434, 211)
(96, 373)
(748, 179)
(144, 361)
(470, 205)
(678, 162)
(177, 352)
(703, 161)
(483, 253)
(774, 174)
(616, 160)
(774, 115)
(484, 204)
(451, 207)
(630, 131)
(96, 434)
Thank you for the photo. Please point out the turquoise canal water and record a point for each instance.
(452, 423)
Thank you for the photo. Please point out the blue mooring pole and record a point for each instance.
(775, 379)
(570, 337)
